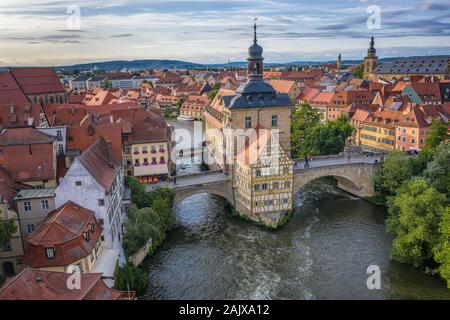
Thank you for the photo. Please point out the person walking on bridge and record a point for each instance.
(306, 161)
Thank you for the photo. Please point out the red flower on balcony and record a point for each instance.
(162, 150)
(153, 150)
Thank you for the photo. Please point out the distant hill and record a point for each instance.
(135, 65)
(131, 65)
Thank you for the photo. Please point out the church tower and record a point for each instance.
(339, 62)
(370, 61)
(255, 59)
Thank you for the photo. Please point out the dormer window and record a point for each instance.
(91, 227)
(50, 253)
(86, 235)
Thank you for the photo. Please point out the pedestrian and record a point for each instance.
(306, 162)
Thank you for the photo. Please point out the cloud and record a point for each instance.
(122, 35)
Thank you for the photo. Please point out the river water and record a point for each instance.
(322, 253)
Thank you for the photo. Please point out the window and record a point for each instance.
(30, 228)
(275, 185)
(258, 173)
(50, 252)
(256, 187)
(264, 186)
(248, 122)
(285, 200)
(78, 183)
(27, 206)
(44, 204)
(287, 184)
(92, 227)
(101, 202)
(86, 235)
(59, 135)
(274, 120)
(6, 246)
(60, 149)
(101, 221)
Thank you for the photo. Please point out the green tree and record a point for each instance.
(304, 119)
(7, 228)
(414, 216)
(437, 172)
(442, 249)
(329, 138)
(358, 72)
(438, 134)
(131, 277)
(395, 170)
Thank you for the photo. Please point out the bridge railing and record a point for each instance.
(196, 174)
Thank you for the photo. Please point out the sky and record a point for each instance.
(49, 32)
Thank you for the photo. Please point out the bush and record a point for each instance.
(131, 277)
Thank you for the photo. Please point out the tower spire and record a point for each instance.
(254, 32)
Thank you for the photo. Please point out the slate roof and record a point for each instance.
(256, 94)
(421, 65)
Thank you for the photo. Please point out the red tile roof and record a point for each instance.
(24, 136)
(10, 91)
(13, 115)
(9, 188)
(83, 135)
(63, 230)
(34, 81)
(99, 160)
(35, 151)
(64, 114)
(33, 284)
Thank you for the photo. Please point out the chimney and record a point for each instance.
(110, 154)
(111, 118)
(12, 108)
(90, 130)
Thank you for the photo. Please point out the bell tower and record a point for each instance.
(255, 59)
(371, 60)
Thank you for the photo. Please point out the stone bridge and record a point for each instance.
(354, 175)
(212, 182)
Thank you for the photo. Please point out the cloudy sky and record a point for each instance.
(47, 32)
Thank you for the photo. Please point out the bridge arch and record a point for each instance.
(181, 195)
(355, 178)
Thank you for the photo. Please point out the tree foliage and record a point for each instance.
(149, 217)
(304, 119)
(442, 249)
(437, 172)
(358, 72)
(7, 228)
(395, 170)
(329, 138)
(414, 218)
(131, 277)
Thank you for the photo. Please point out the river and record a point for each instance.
(321, 253)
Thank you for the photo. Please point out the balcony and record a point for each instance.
(137, 164)
(135, 152)
(146, 163)
(162, 162)
(153, 151)
(162, 150)
(154, 163)
(144, 151)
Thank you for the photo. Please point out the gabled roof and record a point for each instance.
(99, 161)
(24, 136)
(283, 86)
(415, 65)
(63, 230)
(10, 91)
(35, 284)
(34, 81)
